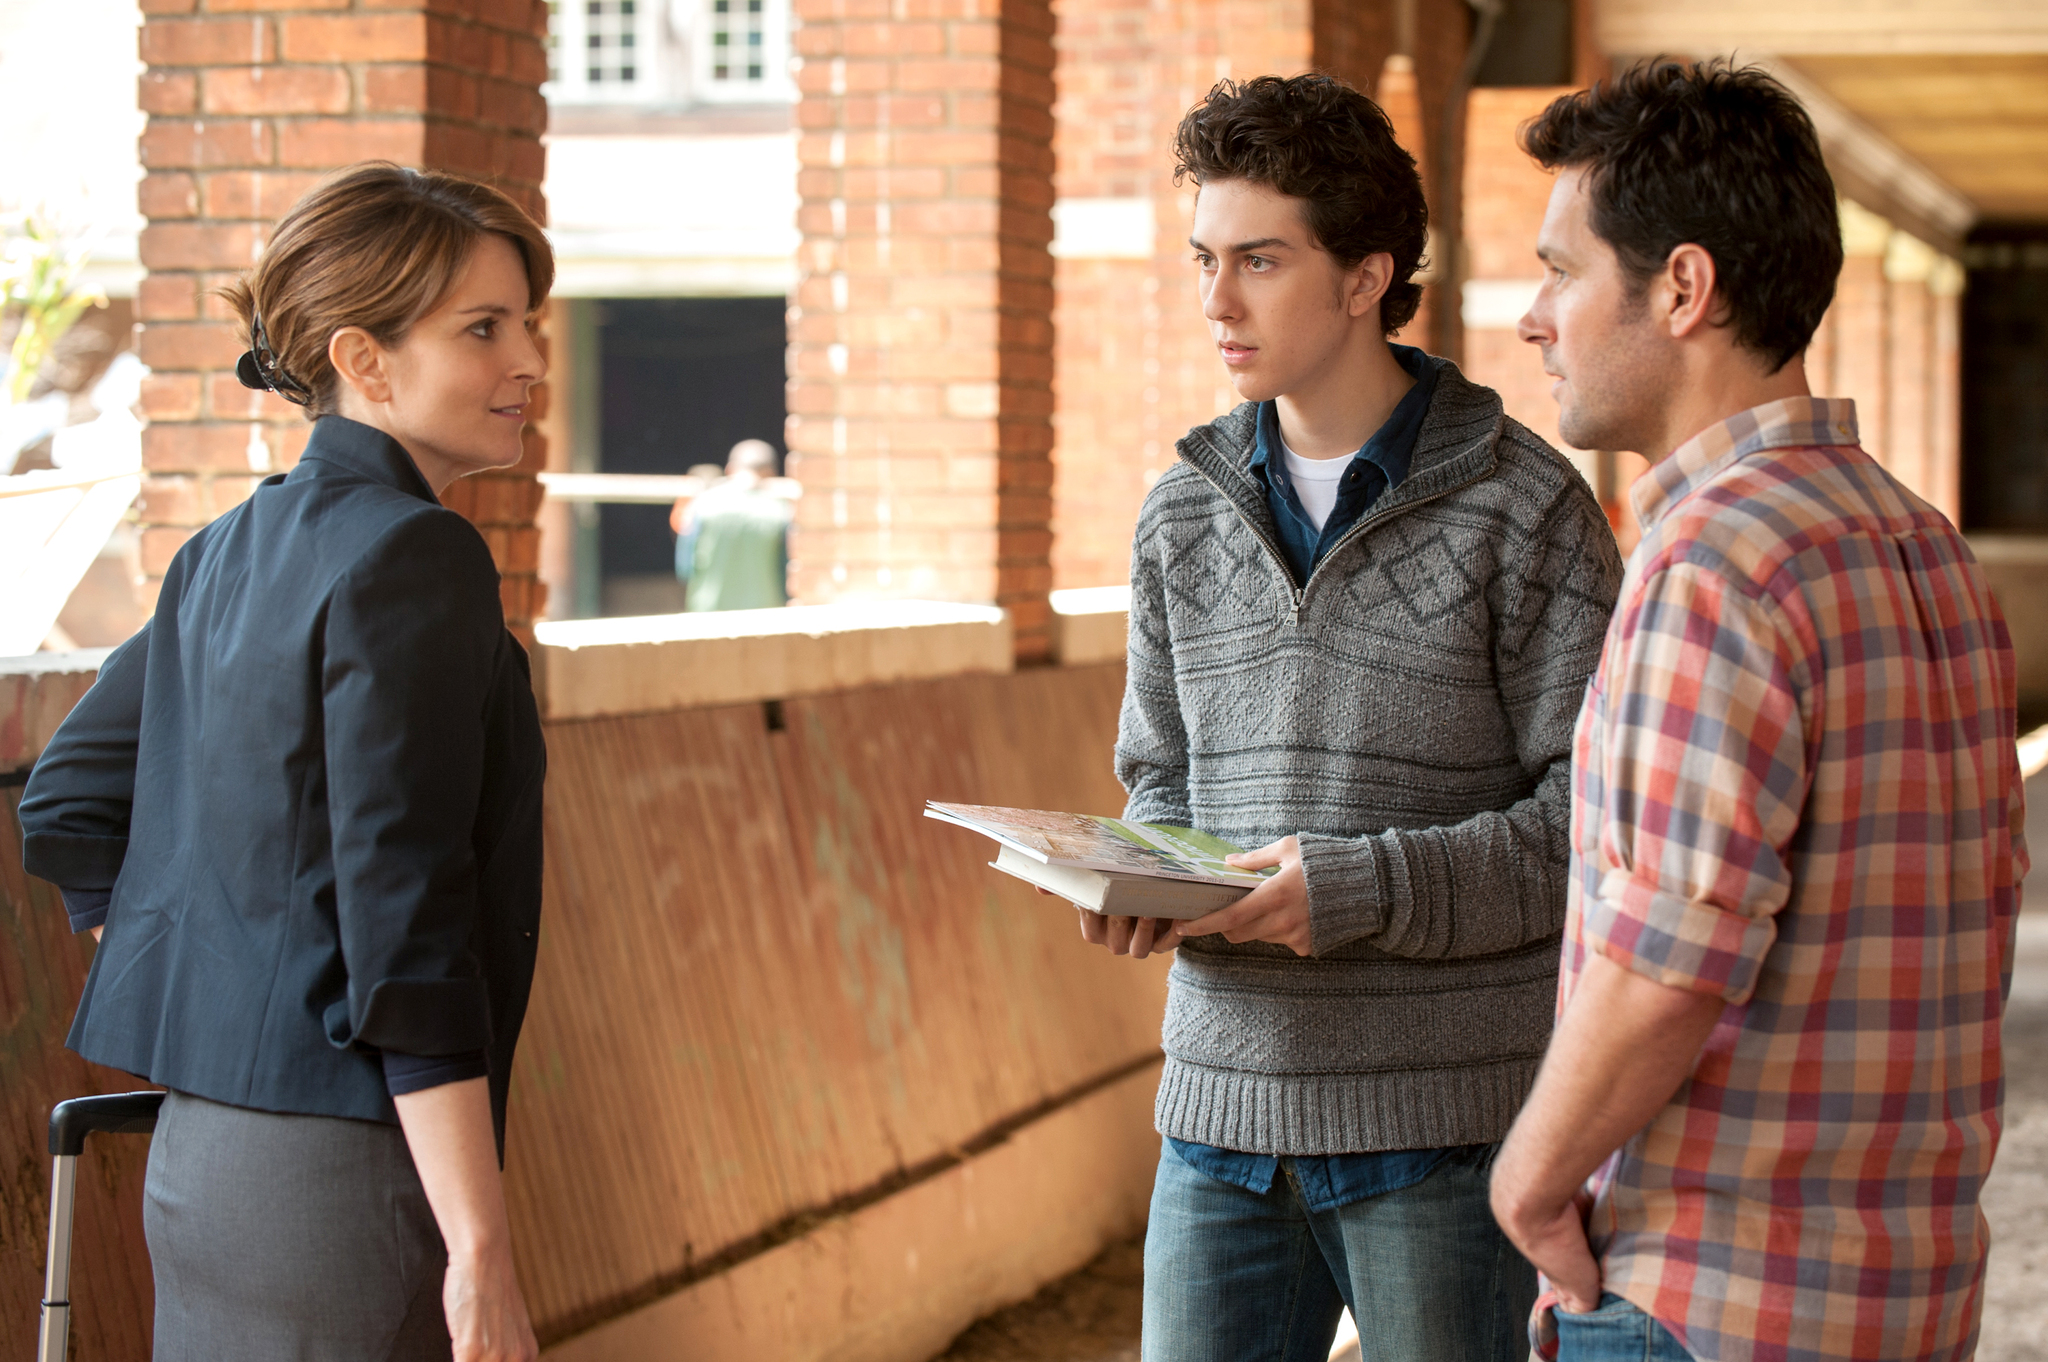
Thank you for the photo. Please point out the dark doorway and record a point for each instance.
(1531, 45)
(2005, 381)
(684, 380)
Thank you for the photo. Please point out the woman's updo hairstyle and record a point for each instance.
(377, 246)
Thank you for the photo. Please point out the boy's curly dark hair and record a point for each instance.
(1316, 139)
(1714, 154)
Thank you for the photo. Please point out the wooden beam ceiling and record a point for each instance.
(1959, 87)
(1979, 122)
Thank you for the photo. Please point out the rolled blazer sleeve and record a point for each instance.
(411, 638)
(75, 809)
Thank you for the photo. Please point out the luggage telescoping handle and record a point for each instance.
(126, 1113)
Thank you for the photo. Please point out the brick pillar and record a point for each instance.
(249, 105)
(920, 390)
(1945, 402)
(1910, 312)
(1353, 41)
(1820, 356)
(1862, 328)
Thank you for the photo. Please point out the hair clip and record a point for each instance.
(258, 368)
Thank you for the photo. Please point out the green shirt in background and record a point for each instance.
(735, 555)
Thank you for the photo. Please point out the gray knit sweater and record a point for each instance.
(1408, 713)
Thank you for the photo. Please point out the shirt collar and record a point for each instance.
(367, 452)
(1788, 423)
(1392, 446)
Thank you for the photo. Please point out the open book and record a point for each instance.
(1110, 865)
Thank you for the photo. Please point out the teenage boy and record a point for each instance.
(1364, 606)
(1797, 811)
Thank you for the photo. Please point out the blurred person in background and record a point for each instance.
(732, 540)
(300, 811)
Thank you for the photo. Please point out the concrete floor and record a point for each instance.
(1093, 1315)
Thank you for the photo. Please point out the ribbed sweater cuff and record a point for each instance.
(1350, 888)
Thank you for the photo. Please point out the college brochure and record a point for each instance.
(1109, 865)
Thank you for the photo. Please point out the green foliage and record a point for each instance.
(39, 288)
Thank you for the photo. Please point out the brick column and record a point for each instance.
(1862, 327)
(249, 105)
(1820, 356)
(1910, 411)
(1945, 402)
(920, 389)
(1428, 39)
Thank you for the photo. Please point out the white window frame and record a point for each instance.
(569, 83)
(774, 84)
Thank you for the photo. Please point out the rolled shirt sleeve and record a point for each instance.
(1704, 770)
(411, 637)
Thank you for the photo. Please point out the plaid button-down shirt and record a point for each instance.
(1796, 788)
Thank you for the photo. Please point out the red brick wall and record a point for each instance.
(920, 391)
(249, 105)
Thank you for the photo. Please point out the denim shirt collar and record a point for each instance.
(1380, 465)
(1392, 446)
(366, 452)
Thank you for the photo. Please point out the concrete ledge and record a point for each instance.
(36, 692)
(2017, 550)
(2016, 566)
(1089, 624)
(588, 669)
(898, 1280)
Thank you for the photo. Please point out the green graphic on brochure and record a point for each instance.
(1197, 850)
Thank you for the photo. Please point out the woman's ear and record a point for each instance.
(360, 361)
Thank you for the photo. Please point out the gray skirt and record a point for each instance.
(289, 1239)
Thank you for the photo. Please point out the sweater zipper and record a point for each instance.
(1365, 523)
(1298, 595)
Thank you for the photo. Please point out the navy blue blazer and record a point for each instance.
(313, 786)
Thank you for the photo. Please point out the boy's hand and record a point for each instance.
(1136, 937)
(1277, 911)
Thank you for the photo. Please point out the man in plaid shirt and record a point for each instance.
(1774, 1089)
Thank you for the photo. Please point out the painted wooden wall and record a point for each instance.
(769, 991)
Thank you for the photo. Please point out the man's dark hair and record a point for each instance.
(1316, 139)
(1717, 155)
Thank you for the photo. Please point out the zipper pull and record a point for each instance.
(1294, 613)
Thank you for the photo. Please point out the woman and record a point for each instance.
(303, 804)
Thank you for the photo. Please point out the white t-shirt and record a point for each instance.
(1316, 482)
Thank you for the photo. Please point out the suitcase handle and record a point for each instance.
(121, 1113)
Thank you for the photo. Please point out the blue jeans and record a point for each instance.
(1235, 1276)
(1615, 1332)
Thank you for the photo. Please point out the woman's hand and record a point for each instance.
(486, 1314)
(449, 1132)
